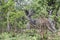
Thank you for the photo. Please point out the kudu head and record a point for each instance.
(29, 13)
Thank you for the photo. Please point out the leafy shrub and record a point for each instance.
(24, 36)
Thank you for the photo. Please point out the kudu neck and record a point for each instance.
(32, 20)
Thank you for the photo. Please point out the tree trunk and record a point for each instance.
(8, 27)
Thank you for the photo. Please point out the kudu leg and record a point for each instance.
(51, 28)
(44, 33)
(28, 25)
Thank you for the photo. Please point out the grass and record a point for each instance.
(25, 36)
(19, 36)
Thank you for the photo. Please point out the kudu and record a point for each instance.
(41, 23)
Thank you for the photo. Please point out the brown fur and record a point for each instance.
(42, 24)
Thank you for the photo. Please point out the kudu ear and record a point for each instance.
(26, 12)
(29, 13)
